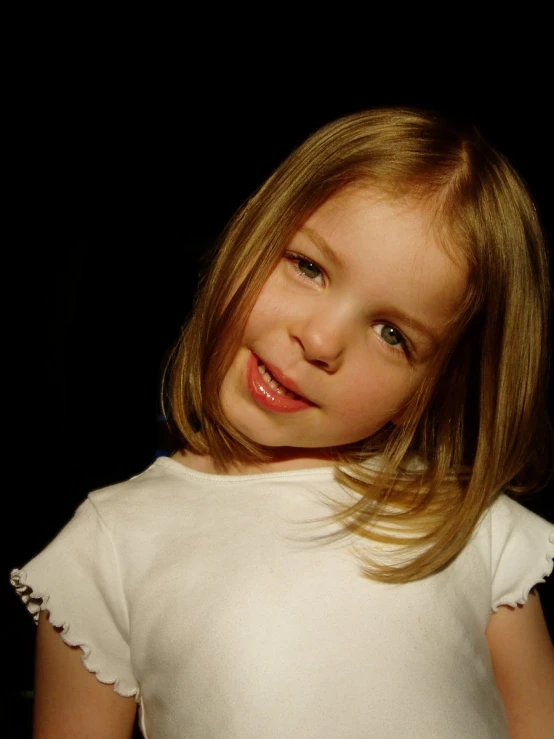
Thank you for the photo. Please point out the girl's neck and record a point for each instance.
(282, 461)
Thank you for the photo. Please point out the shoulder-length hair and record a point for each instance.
(478, 424)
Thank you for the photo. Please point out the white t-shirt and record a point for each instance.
(212, 601)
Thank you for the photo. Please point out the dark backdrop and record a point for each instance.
(129, 184)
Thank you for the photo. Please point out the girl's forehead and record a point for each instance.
(378, 201)
(396, 212)
(363, 213)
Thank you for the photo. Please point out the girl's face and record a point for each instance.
(344, 329)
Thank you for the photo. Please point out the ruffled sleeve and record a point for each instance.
(76, 579)
(522, 552)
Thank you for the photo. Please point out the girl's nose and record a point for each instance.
(323, 340)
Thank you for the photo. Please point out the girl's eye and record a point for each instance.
(391, 336)
(306, 268)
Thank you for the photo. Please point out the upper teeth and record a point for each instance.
(279, 389)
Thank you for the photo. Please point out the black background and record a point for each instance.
(125, 176)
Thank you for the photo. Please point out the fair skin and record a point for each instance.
(522, 657)
(349, 321)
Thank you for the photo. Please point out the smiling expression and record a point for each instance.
(345, 327)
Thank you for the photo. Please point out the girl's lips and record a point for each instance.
(268, 397)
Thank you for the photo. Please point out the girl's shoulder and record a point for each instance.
(167, 487)
(161, 486)
(507, 517)
(520, 546)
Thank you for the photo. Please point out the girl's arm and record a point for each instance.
(522, 657)
(69, 700)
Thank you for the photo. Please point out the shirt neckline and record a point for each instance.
(308, 472)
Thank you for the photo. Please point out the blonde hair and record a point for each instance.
(478, 424)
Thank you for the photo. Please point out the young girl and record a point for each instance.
(333, 550)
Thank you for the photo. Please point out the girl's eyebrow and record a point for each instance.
(416, 325)
(322, 245)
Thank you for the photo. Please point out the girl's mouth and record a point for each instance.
(274, 384)
(268, 392)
